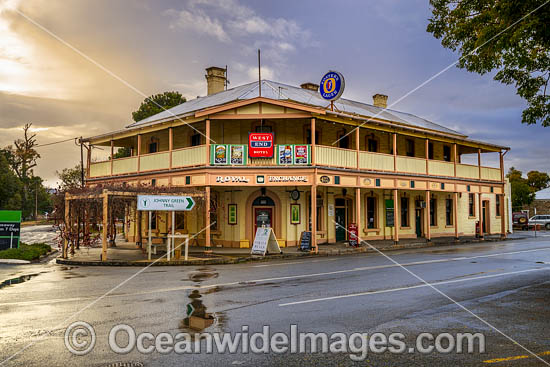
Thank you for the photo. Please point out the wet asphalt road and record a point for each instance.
(505, 283)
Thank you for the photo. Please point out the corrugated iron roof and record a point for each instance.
(284, 92)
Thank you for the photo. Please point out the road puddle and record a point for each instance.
(197, 318)
(17, 280)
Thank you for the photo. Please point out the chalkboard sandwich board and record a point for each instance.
(305, 241)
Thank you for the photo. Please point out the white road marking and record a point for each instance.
(292, 263)
(423, 285)
(263, 280)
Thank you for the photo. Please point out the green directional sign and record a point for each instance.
(10, 228)
(165, 202)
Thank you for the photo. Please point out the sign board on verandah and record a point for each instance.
(265, 242)
(10, 228)
(165, 202)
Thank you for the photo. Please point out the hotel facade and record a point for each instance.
(271, 154)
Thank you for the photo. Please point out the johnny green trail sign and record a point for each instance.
(165, 202)
(10, 228)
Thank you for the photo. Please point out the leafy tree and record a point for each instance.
(122, 152)
(514, 175)
(493, 35)
(10, 185)
(538, 180)
(157, 103)
(71, 178)
(521, 194)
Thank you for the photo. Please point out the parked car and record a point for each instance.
(520, 220)
(542, 220)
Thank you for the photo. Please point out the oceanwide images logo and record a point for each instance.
(80, 339)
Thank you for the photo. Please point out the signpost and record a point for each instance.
(165, 203)
(305, 241)
(265, 242)
(10, 229)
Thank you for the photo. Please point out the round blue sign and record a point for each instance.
(332, 85)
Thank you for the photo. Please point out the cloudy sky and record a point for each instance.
(154, 46)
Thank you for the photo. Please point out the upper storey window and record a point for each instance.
(195, 140)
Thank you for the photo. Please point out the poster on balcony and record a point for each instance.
(260, 145)
(220, 154)
(237, 154)
(285, 154)
(300, 154)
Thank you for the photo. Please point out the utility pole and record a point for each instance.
(81, 164)
(36, 201)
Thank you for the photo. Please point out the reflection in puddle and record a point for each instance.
(21, 279)
(197, 317)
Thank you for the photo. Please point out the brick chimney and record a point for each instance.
(310, 86)
(215, 79)
(380, 100)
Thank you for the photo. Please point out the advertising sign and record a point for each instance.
(10, 228)
(265, 242)
(165, 202)
(285, 154)
(332, 85)
(301, 154)
(237, 154)
(353, 238)
(260, 145)
(305, 241)
(220, 154)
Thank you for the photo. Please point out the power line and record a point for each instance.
(56, 142)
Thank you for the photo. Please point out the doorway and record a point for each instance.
(418, 222)
(342, 217)
(263, 217)
(485, 213)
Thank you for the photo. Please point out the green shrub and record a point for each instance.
(26, 252)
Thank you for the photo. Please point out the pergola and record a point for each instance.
(106, 199)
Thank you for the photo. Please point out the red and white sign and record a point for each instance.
(353, 238)
(260, 145)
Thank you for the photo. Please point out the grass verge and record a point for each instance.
(26, 252)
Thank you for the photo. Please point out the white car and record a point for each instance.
(543, 220)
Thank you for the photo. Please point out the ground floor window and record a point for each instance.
(180, 221)
(449, 212)
(497, 205)
(319, 210)
(405, 212)
(371, 213)
(213, 211)
(471, 205)
(433, 212)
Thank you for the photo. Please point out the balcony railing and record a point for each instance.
(291, 155)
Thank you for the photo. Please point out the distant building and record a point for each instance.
(541, 202)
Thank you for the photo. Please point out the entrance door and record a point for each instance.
(418, 222)
(340, 220)
(263, 217)
(485, 213)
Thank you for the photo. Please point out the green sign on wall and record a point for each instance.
(10, 228)
(390, 213)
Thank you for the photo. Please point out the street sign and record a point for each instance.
(10, 229)
(165, 202)
(265, 242)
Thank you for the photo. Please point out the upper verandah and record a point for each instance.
(302, 98)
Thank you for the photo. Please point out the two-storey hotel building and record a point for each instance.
(395, 175)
